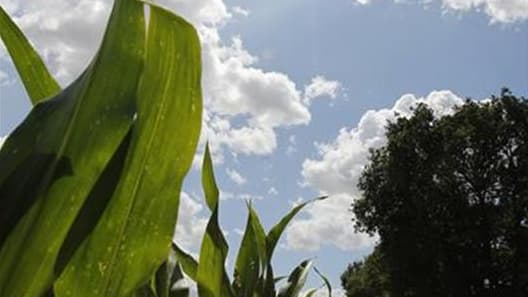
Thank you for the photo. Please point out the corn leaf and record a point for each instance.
(271, 242)
(162, 279)
(310, 293)
(187, 262)
(260, 237)
(296, 280)
(50, 163)
(167, 278)
(208, 181)
(276, 232)
(325, 280)
(175, 290)
(211, 276)
(37, 80)
(248, 263)
(133, 237)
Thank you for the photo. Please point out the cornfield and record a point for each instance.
(90, 181)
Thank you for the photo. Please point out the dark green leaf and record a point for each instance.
(32, 71)
(71, 138)
(325, 280)
(211, 276)
(187, 262)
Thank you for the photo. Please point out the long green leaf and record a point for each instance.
(296, 280)
(211, 276)
(260, 237)
(162, 279)
(247, 266)
(32, 71)
(208, 180)
(134, 234)
(272, 239)
(325, 280)
(69, 140)
(175, 290)
(167, 277)
(187, 262)
(310, 293)
(276, 232)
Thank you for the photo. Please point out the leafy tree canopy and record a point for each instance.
(449, 199)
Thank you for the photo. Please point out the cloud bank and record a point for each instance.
(337, 169)
(499, 11)
(67, 34)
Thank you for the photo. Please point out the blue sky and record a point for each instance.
(296, 93)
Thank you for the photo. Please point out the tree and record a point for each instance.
(367, 278)
(449, 199)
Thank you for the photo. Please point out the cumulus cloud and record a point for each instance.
(337, 169)
(67, 33)
(241, 11)
(236, 177)
(273, 191)
(502, 11)
(328, 223)
(4, 78)
(499, 11)
(191, 224)
(292, 145)
(321, 87)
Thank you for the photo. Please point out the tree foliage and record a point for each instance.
(449, 199)
(367, 278)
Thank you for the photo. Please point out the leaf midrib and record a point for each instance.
(139, 179)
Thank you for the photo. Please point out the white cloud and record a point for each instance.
(191, 225)
(292, 145)
(236, 177)
(3, 76)
(4, 79)
(241, 11)
(328, 223)
(321, 87)
(502, 11)
(499, 11)
(67, 34)
(273, 191)
(337, 169)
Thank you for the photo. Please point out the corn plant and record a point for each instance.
(253, 275)
(90, 180)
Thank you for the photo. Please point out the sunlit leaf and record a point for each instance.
(133, 236)
(208, 180)
(248, 263)
(276, 232)
(211, 276)
(37, 80)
